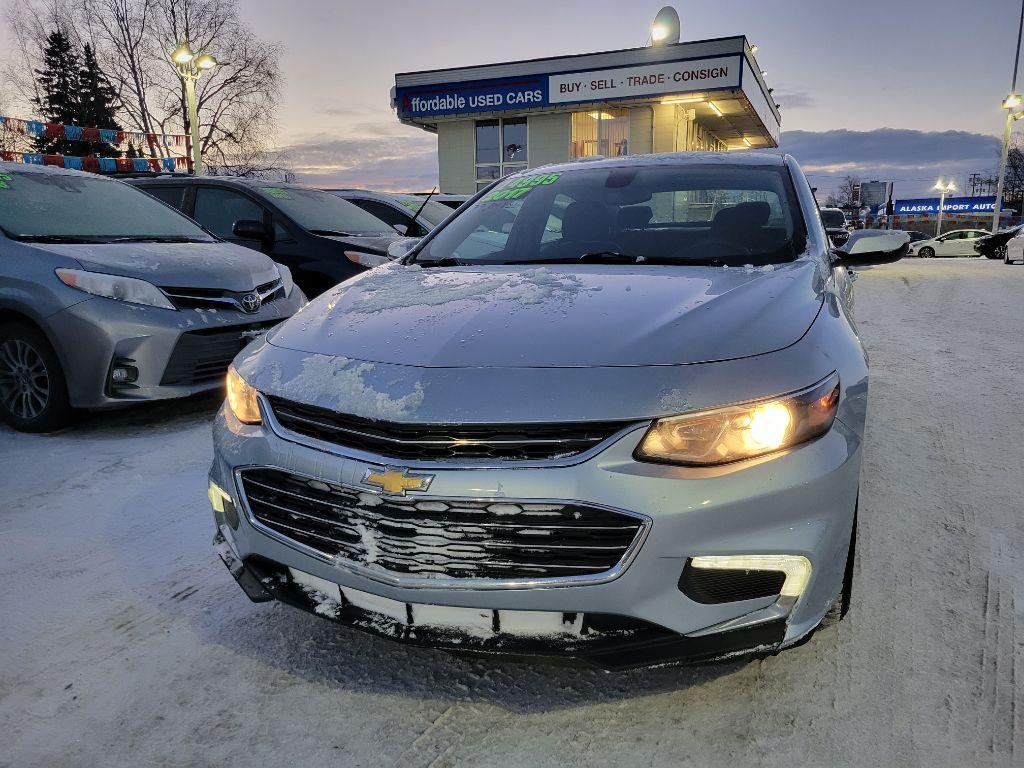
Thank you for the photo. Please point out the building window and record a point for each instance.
(600, 132)
(500, 149)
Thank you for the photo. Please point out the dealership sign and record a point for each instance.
(930, 205)
(531, 91)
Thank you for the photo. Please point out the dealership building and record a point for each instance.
(496, 119)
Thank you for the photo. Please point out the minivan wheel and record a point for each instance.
(927, 253)
(33, 391)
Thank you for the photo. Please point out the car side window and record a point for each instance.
(218, 209)
(173, 196)
(382, 211)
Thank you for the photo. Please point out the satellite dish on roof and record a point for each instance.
(665, 27)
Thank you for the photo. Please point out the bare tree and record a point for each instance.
(237, 101)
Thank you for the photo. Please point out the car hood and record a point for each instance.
(182, 265)
(559, 315)
(377, 244)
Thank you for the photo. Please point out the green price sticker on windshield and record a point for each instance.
(276, 192)
(4, 179)
(520, 187)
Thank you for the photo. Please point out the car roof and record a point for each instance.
(384, 197)
(670, 159)
(231, 181)
(51, 170)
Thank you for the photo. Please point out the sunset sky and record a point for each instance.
(886, 90)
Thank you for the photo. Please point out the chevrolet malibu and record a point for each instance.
(610, 410)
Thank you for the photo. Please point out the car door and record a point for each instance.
(218, 208)
(970, 239)
(947, 244)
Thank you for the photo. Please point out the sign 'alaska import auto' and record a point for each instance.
(926, 205)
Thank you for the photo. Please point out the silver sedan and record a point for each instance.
(611, 410)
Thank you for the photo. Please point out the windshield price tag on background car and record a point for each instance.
(276, 192)
(5, 181)
(520, 187)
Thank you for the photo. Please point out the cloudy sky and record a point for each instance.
(905, 90)
(901, 89)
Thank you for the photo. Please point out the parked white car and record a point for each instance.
(1015, 248)
(959, 242)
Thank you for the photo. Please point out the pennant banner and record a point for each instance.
(99, 164)
(37, 129)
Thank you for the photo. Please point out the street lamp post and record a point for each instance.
(190, 66)
(944, 190)
(1012, 100)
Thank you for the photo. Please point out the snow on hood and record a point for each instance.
(183, 265)
(558, 315)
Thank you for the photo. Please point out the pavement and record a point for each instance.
(124, 641)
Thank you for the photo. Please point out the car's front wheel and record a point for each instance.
(33, 391)
(926, 253)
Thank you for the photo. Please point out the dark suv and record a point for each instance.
(322, 238)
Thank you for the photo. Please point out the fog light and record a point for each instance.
(124, 374)
(222, 504)
(796, 567)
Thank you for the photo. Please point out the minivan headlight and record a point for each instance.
(287, 282)
(743, 431)
(242, 398)
(115, 287)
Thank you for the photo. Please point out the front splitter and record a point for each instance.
(603, 640)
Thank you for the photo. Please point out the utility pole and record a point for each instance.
(1012, 100)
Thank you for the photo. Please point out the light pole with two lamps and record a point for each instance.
(190, 66)
(944, 189)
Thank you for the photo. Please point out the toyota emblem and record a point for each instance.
(251, 302)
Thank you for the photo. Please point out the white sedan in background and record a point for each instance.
(959, 242)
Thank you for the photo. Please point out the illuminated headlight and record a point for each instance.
(743, 431)
(242, 398)
(115, 287)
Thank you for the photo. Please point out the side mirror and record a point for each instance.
(400, 248)
(401, 229)
(251, 229)
(873, 246)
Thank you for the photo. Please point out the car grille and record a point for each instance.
(429, 537)
(438, 442)
(214, 298)
(204, 355)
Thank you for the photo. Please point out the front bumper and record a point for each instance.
(175, 353)
(798, 503)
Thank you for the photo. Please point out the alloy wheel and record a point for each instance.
(24, 379)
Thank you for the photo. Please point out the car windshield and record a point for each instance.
(70, 208)
(433, 212)
(833, 218)
(718, 215)
(323, 213)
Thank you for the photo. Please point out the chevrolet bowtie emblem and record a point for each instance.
(397, 480)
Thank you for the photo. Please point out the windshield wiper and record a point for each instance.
(57, 239)
(330, 233)
(447, 261)
(154, 239)
(590, 257)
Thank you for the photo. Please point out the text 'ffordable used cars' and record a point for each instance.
(612, 410)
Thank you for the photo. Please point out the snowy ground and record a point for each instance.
(124, 642)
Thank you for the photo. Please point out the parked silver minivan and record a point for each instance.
(108, 297)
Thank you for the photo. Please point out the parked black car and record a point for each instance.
(994, 246)
(322, 238)
(835, 225)
(408, 214)
(917, 236)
